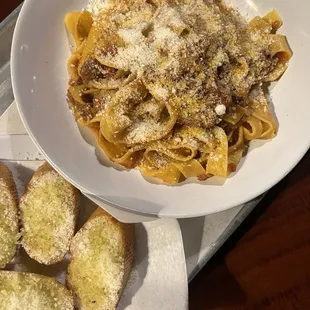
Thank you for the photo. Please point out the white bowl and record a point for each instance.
(39, 54)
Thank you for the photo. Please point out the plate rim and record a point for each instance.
(241, 199)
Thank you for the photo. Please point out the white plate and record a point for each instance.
(158, 279)
(39, 55)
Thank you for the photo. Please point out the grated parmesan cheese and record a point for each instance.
(197, 55)
(95, 6)
(220, 109)
(161, 92)
(143, 131)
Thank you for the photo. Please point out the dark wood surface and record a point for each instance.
(266, 264)
(7, 6)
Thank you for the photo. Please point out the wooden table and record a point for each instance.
(266, 263)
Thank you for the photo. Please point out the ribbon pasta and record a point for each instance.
(174, 88)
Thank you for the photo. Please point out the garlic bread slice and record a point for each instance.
(102, 255)
(29, 291)
(49, 210)
(9, 226)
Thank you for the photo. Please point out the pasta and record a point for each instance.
(174, 88)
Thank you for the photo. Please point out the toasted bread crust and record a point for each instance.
(126, 242)
(43, 171)
(8, 188)
(7, 177)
